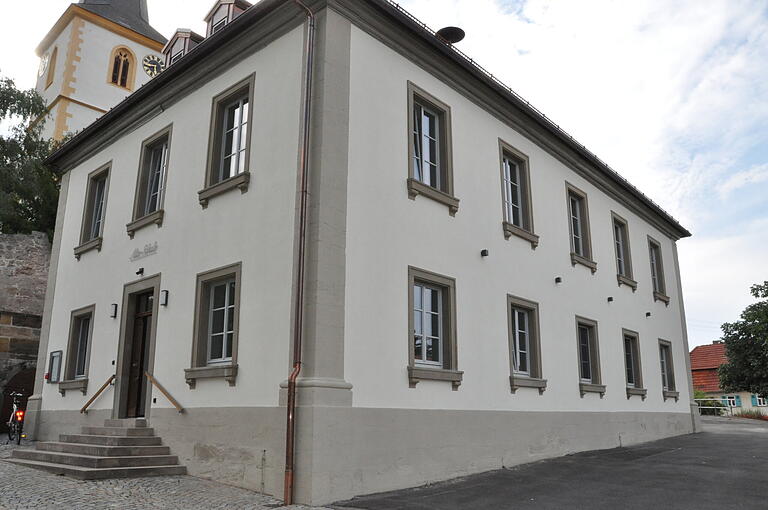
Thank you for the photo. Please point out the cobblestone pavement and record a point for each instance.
(24, 488)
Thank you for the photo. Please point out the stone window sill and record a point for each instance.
(520, 381)
(629, 282)
(224, 371)
(639, 392)
(671, 394)
(151, 218)
(513, 230)
(93, 244)
(416, 188)
(74, 384)
(578, 259)
(658, 296)
(239, 181)
(416, 374)
(585, 388)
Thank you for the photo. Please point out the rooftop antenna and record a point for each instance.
(451, 35)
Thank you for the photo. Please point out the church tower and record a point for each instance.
(97, 53)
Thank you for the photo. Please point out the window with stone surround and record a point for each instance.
(588, 349)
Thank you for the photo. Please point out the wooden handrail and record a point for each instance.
(164, 392)
(84, 409)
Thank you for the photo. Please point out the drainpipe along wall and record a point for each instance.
(300, 266)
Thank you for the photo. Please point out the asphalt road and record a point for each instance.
(724, 467)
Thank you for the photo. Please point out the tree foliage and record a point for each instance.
(29, 191)
(746, 346)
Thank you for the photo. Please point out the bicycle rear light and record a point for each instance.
(20, 415)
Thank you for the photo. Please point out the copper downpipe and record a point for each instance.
(298, 323)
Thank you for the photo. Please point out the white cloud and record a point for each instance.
(755, 175)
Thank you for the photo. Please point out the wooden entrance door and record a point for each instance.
(139, 355)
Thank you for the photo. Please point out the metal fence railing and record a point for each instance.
(717, 407)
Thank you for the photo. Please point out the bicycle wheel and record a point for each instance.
(12, 432)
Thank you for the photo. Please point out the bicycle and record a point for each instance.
(16, 421)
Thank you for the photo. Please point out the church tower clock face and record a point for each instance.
(153, 65)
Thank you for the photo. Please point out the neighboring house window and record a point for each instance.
(429, 143)
(94, 211)
(123, 68)
(623, 254)
(731, 400)
(516, 194)
(667, 369)
(216, 325)
(578, 224)
(657, 271)
(52, 68)
(589, 356)
(150, 188)
(524, 344)
(758, 401)
(230, 141)
(432, 349)
(632, 366)
(80, 338)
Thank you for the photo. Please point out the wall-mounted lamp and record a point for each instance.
(113, 311)
(140, 272)
(647, 314)
(558, 279)
(163, 298)
(484, 253)
(610, 299)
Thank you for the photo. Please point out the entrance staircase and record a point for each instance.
(120, 449)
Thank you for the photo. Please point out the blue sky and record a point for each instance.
(673, 95)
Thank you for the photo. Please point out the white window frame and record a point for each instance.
(731, 400)
(589, 330)
(176, 56)
(516, 331)
(630, 363)
(239, 148)
(216, 27)
(761, 401)
(665, 366)
(425, 314)
(158, 172)
(420, 111)
(577, 224)
(99, 198)
(619, 234)
(81, 351)
(513, 191)
(229, 308)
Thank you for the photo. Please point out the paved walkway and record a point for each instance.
(725, 467)
(24, 488)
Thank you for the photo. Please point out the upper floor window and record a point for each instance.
(432, 349)
(94, 211)
(657, 271)
(578, 224)
(230, 141)
(632, 366)
(123, 68)
(622, 251)
(429, 144)
(516, 194)
(223, 12)
(150, 188)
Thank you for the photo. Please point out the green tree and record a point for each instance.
(746, 346)
(29, 191)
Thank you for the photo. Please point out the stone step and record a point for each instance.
(85, 473)
(110, 440)
(103, 451)
(73, 459)
(127, 422)
(119, 431)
